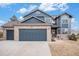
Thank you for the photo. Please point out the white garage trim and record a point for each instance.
(16, 31)
(5, 31)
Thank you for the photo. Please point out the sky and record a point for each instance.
(7, 10)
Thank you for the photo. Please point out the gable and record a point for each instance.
(65, 15)
(33, 20)
(40, 15)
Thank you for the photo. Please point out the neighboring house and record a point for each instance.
(1, 30)
(38, 26)
(76, 32)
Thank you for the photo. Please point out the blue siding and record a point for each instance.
(32, 35)
(33, 20)
(65, 23)
(10, 34)
(41, 16)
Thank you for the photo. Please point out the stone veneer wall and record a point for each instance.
(16, 31)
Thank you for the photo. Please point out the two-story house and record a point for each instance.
(38, 26)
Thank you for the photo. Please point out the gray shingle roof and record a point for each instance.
(64, 14)
(38, 10)
(11, 24)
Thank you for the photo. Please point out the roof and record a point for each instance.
(55, 26)
(66, 14)
(33, 17)
(11, 24)
(54, 16)
(63, 14)
(36, 24)
(37, 10)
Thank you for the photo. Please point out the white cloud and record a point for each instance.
(2, 5)
(53, 6)
(21, 18)
(74, 24)
(24, 10)
(31, 7)
(63, 6)
(46, 7)
(2, 22)
(73, 20)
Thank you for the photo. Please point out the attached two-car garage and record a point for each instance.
(32, 34)
(29, 35)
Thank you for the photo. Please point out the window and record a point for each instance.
(65, 21)
(53, 22)
(40, 17)
(64, 25)
(58, 31)
(53, 31)
(64, 31)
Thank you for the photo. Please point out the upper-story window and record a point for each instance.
(64, 25)
(40, 17)
(65, 21)
(58, 31)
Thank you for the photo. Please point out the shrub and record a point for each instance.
(1, 34)
(72, 37)
(52, 39)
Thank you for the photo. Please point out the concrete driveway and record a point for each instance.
(24, 48)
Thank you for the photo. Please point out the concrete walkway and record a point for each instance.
(24, 48)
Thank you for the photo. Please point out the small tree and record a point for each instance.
(13, 18)
(1, 34)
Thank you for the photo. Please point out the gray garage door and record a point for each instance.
(10, 34)
(32, 34)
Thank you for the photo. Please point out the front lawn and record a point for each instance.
(64, 48)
